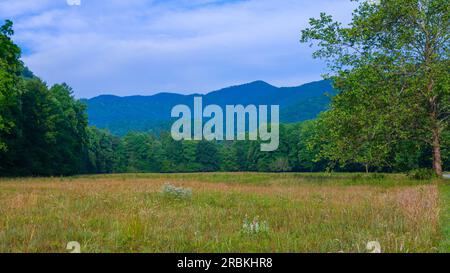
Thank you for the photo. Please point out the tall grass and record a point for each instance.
(445, 217)
(302, 213)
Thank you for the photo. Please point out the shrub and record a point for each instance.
(421, 174)
(255, 227)
(171, 191)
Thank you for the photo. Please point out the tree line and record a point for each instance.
(299, 151)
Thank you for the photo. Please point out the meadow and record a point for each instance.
(225, 212)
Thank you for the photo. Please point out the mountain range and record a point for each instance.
(121, 115)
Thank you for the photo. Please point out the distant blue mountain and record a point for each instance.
(152, 113)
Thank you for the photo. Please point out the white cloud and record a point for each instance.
(10, 8)
(139, 46)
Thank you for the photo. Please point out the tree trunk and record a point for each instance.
(436, 131)
(437, 159)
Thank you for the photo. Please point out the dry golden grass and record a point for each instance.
(305, 213)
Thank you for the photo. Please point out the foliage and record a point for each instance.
(42, 130)
(391, 67)
(100, 154)
(10, 68)
(207, 155)
(171, 191)
(421, 174)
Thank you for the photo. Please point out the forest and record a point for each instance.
(44, 130)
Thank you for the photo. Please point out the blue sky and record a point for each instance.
(129, 47)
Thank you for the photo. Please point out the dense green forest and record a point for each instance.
(299, 151)
(44, 130)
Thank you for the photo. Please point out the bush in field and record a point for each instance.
(421, 174)
(171, 191)
(255, 227)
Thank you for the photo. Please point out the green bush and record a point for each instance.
(421, 174)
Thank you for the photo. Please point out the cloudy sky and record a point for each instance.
(128, 47)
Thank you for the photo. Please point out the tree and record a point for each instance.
(229, 157)
(391, 66)
(174, 155)
(27, 73)
(10, 69)
(31, 153)
(100, 152)
(66, 135)
(142, 152)
(49, 133)
(208, 156)
(310, 143)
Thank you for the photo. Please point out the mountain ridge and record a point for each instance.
(152, 113)
(208, 93)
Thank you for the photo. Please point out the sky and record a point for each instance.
(142, 47)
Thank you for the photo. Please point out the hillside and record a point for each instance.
(152, 113)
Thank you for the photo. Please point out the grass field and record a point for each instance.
(295, 213)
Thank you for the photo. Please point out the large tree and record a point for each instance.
(10, 70)
(392, 67)
(42, 130)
